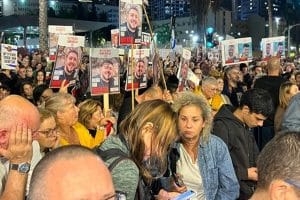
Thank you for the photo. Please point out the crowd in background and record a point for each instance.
(206, 136)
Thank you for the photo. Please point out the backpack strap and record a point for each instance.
(111, 153)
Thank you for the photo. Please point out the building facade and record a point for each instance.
(164, 9)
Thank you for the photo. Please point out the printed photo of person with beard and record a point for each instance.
(130, 24)
(105, 77)
(139, 74)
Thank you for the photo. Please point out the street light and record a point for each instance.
(289, 34)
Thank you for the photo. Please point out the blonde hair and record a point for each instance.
(45, 114)
(58, 102)
(284, 93)
(164, 119)
(189, 98)
(86, 109)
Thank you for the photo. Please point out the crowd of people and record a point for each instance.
(233, 135)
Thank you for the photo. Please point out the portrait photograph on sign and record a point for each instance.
(273, 46)
(182, 74)
(105, 67)
(68, 58)
(114, 37)
(140, 66)
(245, 51)
(54, 32)
(130, 18)
(236, 51)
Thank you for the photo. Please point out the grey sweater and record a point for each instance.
(125, 174)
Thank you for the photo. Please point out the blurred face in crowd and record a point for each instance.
(69, 115)
(40, 76)
(297, 77)
(233, 75)
(198, 73)
(209, 90)
(220, 84)
(96, 118)
(190, 123)
(252, 119)
(27, 90)
(47, 133)
(258, 71)
(106, 71)
(22, 72)
(29, 72)
(71, 62)
(140, 69)
(133, 19)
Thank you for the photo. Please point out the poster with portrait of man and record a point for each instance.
(182, 73)
(137, 78)
(54, 32)
(68, 59)
(213, 55)
(130, 19)
(104, 68)
(114, 37)
(273, 46)
(9, 54)
(236, 51)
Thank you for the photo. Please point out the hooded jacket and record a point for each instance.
(241, 144)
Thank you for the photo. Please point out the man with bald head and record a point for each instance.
(19, 119)
(71, 172)
(271, 82)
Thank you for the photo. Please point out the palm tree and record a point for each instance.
(270, 15)
(43, 24)
(199, 10)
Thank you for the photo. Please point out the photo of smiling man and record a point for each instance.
(104, 72)
(130, 22)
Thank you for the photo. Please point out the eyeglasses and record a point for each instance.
(117, 196)
(48, 132)
(293, 183)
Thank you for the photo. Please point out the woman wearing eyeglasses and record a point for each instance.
(47, 136)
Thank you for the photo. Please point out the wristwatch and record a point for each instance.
(22, 167)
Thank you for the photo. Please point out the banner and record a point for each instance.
(236, 51)
(140, 60)
(54, 32)
(68, 59)
(115, 37)
(130, 26)
(182, 74)
(104, 71)
(9, 56)
(274, 46)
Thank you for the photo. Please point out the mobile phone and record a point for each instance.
(186, 195)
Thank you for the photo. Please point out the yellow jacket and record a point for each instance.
(215, 103)
(84, 136)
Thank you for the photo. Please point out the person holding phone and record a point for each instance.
(199, 160)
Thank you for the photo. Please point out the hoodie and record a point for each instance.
(241, 144)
